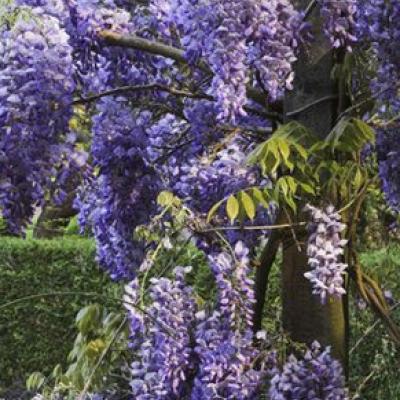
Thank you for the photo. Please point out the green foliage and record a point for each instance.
(350, 136)
(37, 334)
(94, 363)
(72, 228)
(299, 166)
(375, 361)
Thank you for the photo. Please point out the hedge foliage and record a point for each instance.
(37, 333)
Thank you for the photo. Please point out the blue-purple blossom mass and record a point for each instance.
(177, 94)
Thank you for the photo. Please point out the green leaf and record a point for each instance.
(367, 131)
(283, 185)
(301, 150)
(284, 149)
(260, 197)
(57, 371)
(213, 210)
(35, 381)
(94, 348)
(307, 188)
(165, 199)
(248, 205)
(358, 179)
(232, 208)
(290, 202)
(89, 318)
(274, 150)
(292, 184)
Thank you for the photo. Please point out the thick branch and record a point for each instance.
(152, 47)
(149, 46)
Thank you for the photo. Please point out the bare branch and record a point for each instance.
(310, 105)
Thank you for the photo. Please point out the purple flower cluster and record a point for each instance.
(234, 37)
(198, 355)
(325, 248)
(278, 31)
(162, 339)
(339, 22)
(96, 65)
(35, 107)
(388, 155)
(224, 339)
(315, 377)
(125, 188)
(378, 22)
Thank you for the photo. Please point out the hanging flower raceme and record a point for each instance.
(35, 107)
(317, 376)
(123, 193)
(325, 249)
(278, 31)
(161, 338)
(388, 154)
(378, 23)
(237, 38)
(224, 339)
(181, 352)
(339, 22)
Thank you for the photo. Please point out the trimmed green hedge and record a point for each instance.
(38, 333)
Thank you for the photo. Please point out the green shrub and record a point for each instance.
(36, 334)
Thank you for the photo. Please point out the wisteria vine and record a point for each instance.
(53, 56)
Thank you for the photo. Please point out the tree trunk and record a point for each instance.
(304, 318)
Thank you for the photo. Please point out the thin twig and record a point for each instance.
(88, 294)
(369, 330)
(365, 101)
(310, 105)
(363, 384)
(311, 5)
(151, 86)
(252, 228)
(176, 92)
(293, 232)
